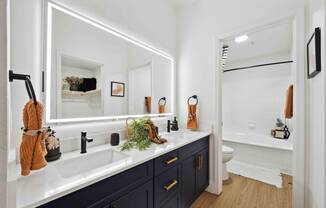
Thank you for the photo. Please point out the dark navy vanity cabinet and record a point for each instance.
(173, 180)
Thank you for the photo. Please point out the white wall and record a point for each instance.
(254, 98)
(82, 40)
(25, 53)
(161, 75)
(315, 170)
(197, 27)
(116, 55)
(153, 21)
(3, 104)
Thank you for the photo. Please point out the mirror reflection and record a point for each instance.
(95, 73)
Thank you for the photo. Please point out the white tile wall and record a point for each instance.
(254, 98)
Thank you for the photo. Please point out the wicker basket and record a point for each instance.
(128, 127)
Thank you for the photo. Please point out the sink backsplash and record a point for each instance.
(69, 135)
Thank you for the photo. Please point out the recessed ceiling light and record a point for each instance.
(241, 38)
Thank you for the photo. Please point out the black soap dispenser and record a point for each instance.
(174, 124)
(115, 138)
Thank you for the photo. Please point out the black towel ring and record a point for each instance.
(162, 99)
(30, 89)
(28, 83)
(193, 97)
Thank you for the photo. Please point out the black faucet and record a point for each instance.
(83, 141)
(172, 126)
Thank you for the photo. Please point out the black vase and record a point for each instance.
(115, 138)
(53, 154)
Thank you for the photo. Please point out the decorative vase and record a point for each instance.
(74, 87)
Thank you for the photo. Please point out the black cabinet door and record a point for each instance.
(188, 176)
(202, 179)
(172, 202)
(141, 197)
(166, 187)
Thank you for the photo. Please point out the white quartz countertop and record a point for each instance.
(47, 184)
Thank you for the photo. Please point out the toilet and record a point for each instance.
(227, 156)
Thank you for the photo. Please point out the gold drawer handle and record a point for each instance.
(199, 162)
(172, 160)
(171, 185)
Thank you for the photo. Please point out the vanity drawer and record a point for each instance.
(166, 161)
(166, 186)
(194, 147)
(106, 190)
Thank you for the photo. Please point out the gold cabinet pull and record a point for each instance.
(200, 161)
(172, 160)
(197, 161)
(171, 185)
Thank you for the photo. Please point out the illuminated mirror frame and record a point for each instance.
(49, 6)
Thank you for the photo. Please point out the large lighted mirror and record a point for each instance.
(96, 72)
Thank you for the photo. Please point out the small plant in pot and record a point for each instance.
(141, 134)
(74, 82)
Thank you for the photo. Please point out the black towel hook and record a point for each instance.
(162, 99)
(28, 83)
(193, 97)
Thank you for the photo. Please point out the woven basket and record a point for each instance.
(128, 127)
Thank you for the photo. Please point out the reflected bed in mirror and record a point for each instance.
(94, 72)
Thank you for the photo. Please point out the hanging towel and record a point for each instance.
(192, 117)
(32, 147)
(288, 111)
(161, 108)
(148, 104)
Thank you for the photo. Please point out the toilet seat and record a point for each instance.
(227, 153)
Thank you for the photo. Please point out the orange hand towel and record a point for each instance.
(148, 104)
(192, 117)
(161, 108)
(288, 111)
(32, 147)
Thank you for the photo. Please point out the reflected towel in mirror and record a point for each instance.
(288, 111)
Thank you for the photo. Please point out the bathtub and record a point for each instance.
(261, 150)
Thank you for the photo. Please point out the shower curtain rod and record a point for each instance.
(259, 65)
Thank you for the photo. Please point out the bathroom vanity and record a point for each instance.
(169, 175)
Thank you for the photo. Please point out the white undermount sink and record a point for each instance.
(89, 161)
(174, 135)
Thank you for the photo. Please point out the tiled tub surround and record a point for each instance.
(49, 183)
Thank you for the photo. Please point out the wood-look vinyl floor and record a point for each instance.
(241, 192)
